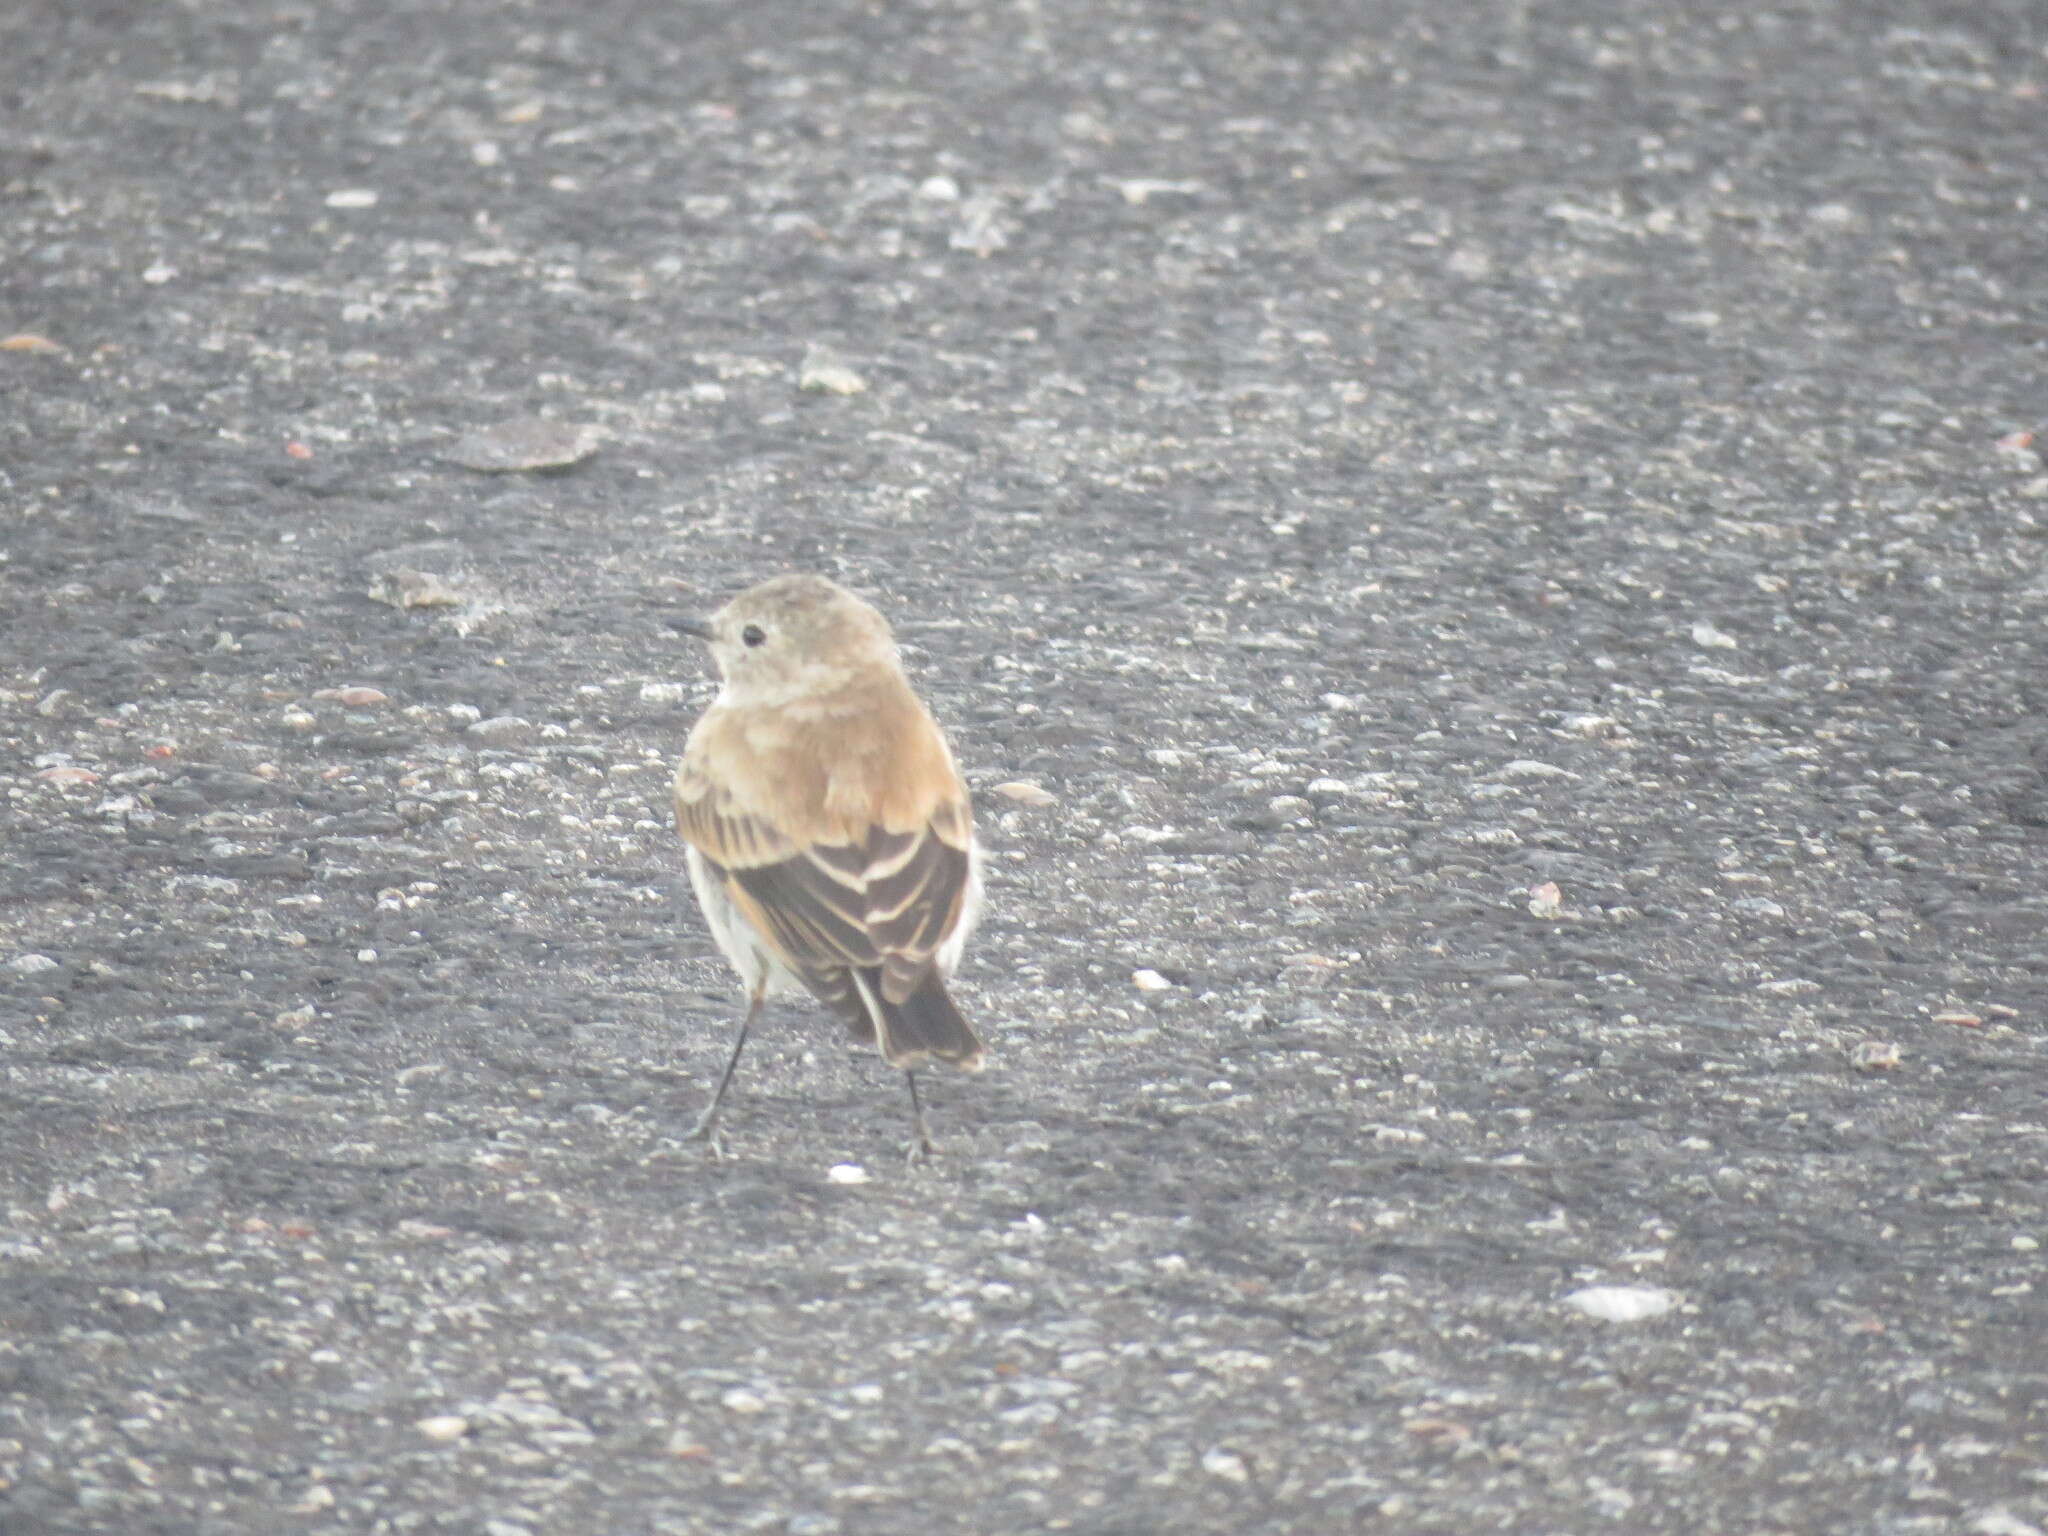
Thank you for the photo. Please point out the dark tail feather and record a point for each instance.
(924, 1025)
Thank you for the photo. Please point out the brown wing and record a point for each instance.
(874, 898)
(888, 902)
(724, 832)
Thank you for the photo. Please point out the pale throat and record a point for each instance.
(815, 691)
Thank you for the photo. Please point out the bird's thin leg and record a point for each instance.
(706, 1128)
(921, 1144)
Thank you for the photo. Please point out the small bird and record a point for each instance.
(831, 842)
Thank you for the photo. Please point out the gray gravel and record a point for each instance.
(1512, 537)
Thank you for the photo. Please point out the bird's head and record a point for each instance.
(792, 639)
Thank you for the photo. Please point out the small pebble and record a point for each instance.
(1149, 981)
(1788, 986)
(530, 442)
(1226, 1464)
(824, 372)
(2002, 1522)
(983, 228)
(1622, 1303)
(1025, 793)
(413, 589)
(501, 731)
(443, 1427)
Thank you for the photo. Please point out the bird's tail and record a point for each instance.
(922, 1026)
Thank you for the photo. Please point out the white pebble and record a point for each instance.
(824, 373)
(1026, 793)
(1149, 981)
(1622, 1303)
(1788, 986)
(2002, 1522)
(1226, 1464)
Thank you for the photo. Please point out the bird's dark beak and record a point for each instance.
(696, 628)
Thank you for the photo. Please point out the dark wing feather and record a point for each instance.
(861, 922)
(889, 903)
(817, 921)
(914, 896)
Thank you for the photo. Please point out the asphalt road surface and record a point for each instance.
(1485, 564)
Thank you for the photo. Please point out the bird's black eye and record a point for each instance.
(753, 635)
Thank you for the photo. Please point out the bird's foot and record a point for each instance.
(706, 1131)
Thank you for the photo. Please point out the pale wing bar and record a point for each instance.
(890, 904)
(885, 904)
